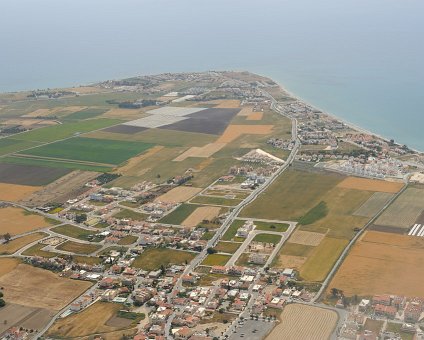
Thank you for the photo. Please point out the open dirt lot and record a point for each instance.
(404, 211)
(35, 287)
(307, 238)
(15, 193)
(17, 221)
(290, 261)
(227, 103)
(20, 242)
(299, 322)
(370, 185)
(91, 321)
(29, 174)
(374, 204)
(383, 263)
(234, 131)
(64, 188)
(245, 111)
(200, 214)
(178, 194)
(204, 151)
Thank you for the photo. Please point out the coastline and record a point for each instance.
(344, 121)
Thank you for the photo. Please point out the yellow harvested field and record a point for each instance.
(245, 111)
(291, 261)
(234, 131)
(205, 151)
(48, 112)
(7, 265)
(124, 114)
(307, 238)
(15, 192)
(132, 167)
(28, 122)
(91, 321)
(300, 322)
(20, 242)
(255, 116)
(358, 183)
(17, 221)
(86, 89)
(228, 104)
(178, 194)
(36, 287)
(383, 263)
(200, 214)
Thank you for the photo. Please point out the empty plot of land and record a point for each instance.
(78, 248)
(374, 204)
(370, 185)
(383, 263)
(299, 322)
(290, 261)
(15, 193)
(17, 221)
(204, 151)
(22, 286)
(20, 242)
(307, 238)
(154, 258)
(234, 131)
(7, 265)
(66, 187)
(29, 175)
(201, 214)
(405, 210)
(178, 194)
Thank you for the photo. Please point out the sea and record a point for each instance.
(360, 60)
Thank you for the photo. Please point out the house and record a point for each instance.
(412, 312)
(289, 272)
(183, 333)
(219, 270)
(381, 300)
(387, 311)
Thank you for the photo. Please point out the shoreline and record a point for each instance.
(344, 121)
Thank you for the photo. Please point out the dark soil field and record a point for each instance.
(29, 175)
(210, 121)
(125, 129)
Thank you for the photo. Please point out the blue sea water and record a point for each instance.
(361, 60)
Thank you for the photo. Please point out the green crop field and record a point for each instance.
(216, 260)
(180, 214)
(232, 230)
(267, 238)
(216, 201)
(66, 130)
(73, 231)
(315, 214)
(291, 196)
(10, 145)
(85, 114)
(90, 150)
(271, 226)
(295, 249)
(154, 258)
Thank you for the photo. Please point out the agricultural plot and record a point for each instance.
(179, 214)
(212, 200)
(271, 226)
(131, 214)
(78, 248)
(383, 263)
(306, 238)
(85, 114)
(93, 320)
(374, 204)
(16, 221)
(20, 242)
(204, 151)
(154, 121)
(29, 175)
(235, 131)
(125, 129)
(15, 193)
(201, 214)
(178, 194)
(358, 183)
(154, 258)
(291, 196)
(90, 150)
(7, 265)
(299, 322)
(56, 132)
(404, 211)
(176, 111)
(9, 145)
(21, 286)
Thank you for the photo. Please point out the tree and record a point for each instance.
(2, 303)
(335, 292)
(81, 218)
(7, 237)
(211, 251)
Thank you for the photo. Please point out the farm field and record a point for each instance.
(178, 194)
(322, 258)
(299, 322)
(154, 258)
(10, 145)
(78, 248)
(271, 226)
(232, 132)
(85, 114)
(201, 214)
(20, 242)
(307, 238)
(366, 184)
(7, 265)
(17, 221)
(22, 283)
(104, 152)
(404, 211)
(227, 247)
(373, 205)
(285, 199)
(15, 193)
(91, 321)
(374, 263)
(210, 200)
(216, 260)
(180, 214)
